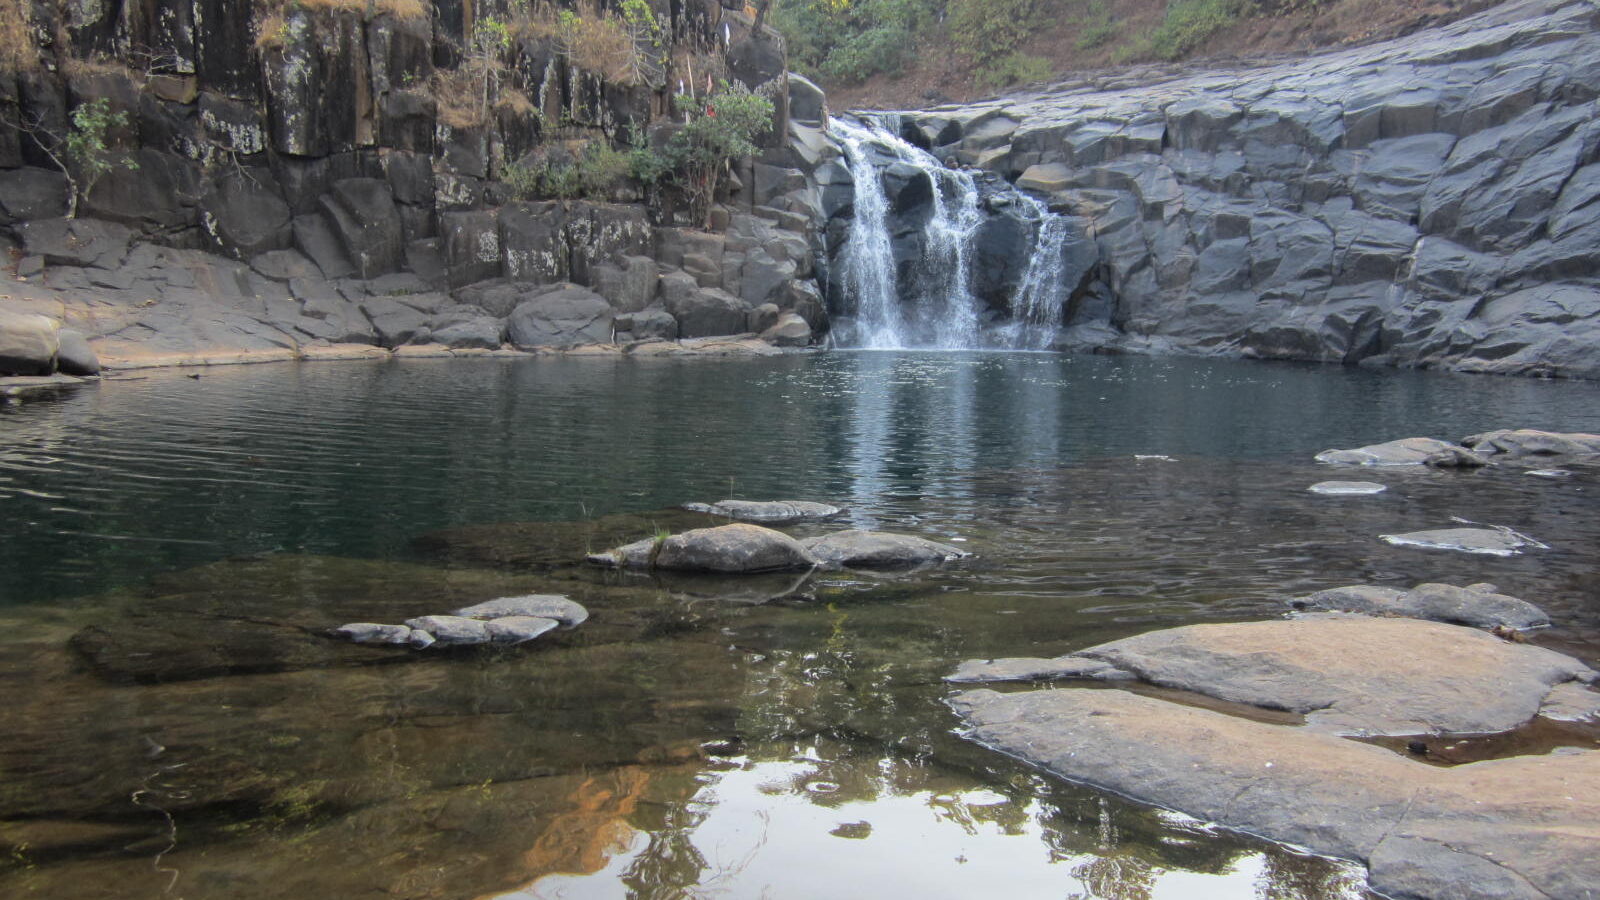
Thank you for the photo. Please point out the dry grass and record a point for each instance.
(271, 22)
(592, 40)
(400, 9)
(457, 92)
(19, 52)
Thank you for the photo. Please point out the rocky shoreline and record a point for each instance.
(1436, 664)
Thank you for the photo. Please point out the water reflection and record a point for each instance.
(818, 820)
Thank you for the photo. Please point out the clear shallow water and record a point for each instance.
(690, 740)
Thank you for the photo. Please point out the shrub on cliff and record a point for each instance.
(719, 129)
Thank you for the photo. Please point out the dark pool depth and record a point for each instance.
(698, 737)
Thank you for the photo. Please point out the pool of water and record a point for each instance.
(172, 550)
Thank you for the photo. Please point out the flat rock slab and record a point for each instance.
(1354, 674)
(1512, 828)
(1482, 541)
(1343, 488)
(1528, 445)
(545, 606)
(518, 629)
(768, 511)
(1405, 452)
(1479, 605)
(880, 550)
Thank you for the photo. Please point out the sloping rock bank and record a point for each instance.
(1425, 202)
(1518, 827)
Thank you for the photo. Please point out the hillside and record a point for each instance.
(880, 54)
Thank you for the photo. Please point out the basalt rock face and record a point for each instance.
(295, 164)
(1425, 202)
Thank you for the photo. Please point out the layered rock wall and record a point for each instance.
(1424, 202)
(342, 172)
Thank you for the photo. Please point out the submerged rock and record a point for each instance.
(1485, 541)
(1526, 444)
(1341, 488)
(879, 550)
(545, 606)
(729, 549)
(1478, 605)
(373, 633)
(766, 510)
(988, 671)
(1502, 828)
(1405, 452)
(1347, 674)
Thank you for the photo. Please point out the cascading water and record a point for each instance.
(930, 303)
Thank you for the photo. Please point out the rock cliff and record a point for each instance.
(1425, 202)
(294, 175)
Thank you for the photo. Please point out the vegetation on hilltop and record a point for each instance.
(961, 47)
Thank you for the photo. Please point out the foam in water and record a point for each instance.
(946, 315)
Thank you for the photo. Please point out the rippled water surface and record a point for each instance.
(174, 549)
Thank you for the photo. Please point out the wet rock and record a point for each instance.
(1485, 541)
(421, 640)
(363, 214)
(28, 343)
(729, 549)
(1476, 605)
(1029, 669)
(880, 550)
(768, 511)
(1347, 675)
(518, 629)
(244, 217)
(451, 629)
(1527, 445)
(1493, 829)
(1455, 458)
(707, 312)
(544, 606)
(1340, 488)
(373, 633)
(1405, 452)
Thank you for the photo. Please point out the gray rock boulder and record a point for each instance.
(1405, 452)
(707, 312)
(544, 606)
(791, 330)
(567, 317)
(75, 356)
(880, 550)
(1478, 605)
(363, 213)
(28, 343)
(373, 633)
(767, 511)
(451, 629)
(518, 629)
(1538, 447)
(1483, 541)
(728, 549)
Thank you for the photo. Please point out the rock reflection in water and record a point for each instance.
(895, 827)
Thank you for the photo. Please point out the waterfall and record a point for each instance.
(926, 300)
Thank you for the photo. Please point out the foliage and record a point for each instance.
(987, 30)
(850, 42)
(719, 129)
(1014, 68)
(594, 173)
(87, 155)
(1096, 26)
(1188, 23)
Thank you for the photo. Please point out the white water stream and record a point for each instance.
(944, 313)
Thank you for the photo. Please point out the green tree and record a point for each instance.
(83, 154)
(720, 129)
